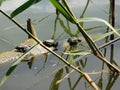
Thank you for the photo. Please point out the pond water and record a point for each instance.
(24, 78)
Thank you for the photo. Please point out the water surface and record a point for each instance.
(24, 78)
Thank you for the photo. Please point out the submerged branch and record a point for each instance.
(58, 56)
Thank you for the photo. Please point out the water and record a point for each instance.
(24, 78)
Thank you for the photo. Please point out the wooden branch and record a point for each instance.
(31, 28)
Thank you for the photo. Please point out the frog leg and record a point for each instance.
(29, 59)
(30, 62)
(46, 57)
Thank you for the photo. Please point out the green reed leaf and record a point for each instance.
(89, 29)
(1, 1)
(78, 52)
(98, 20)
(24, 7)
(100, 83)
(54, 85)
(71, 59)
(67, 30)
(105, 35)
(62, 10)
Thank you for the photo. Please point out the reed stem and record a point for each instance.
(58, 56)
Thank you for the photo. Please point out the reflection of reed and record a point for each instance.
(114, 76)
(112, 22)
(66, 11)
(92, 45)
(111, 81)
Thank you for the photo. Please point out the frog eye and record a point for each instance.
(69, 40)
(50, 43)
(55, 44)
(46, 43)
(16, 47)
(73, 41)
(21, 48)
(79, 40)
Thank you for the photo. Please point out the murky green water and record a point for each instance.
(24, 78)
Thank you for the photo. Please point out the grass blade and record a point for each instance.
(1, 1)
(99, 20)
(62, 10)
(105, 35)
(71, 59)
(78, 52)
(23, 7)
(54, 85)
(67, 30)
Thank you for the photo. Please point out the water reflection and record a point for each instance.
(55, 75)
(99, 80)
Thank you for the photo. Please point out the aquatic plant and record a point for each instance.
(63, 8)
